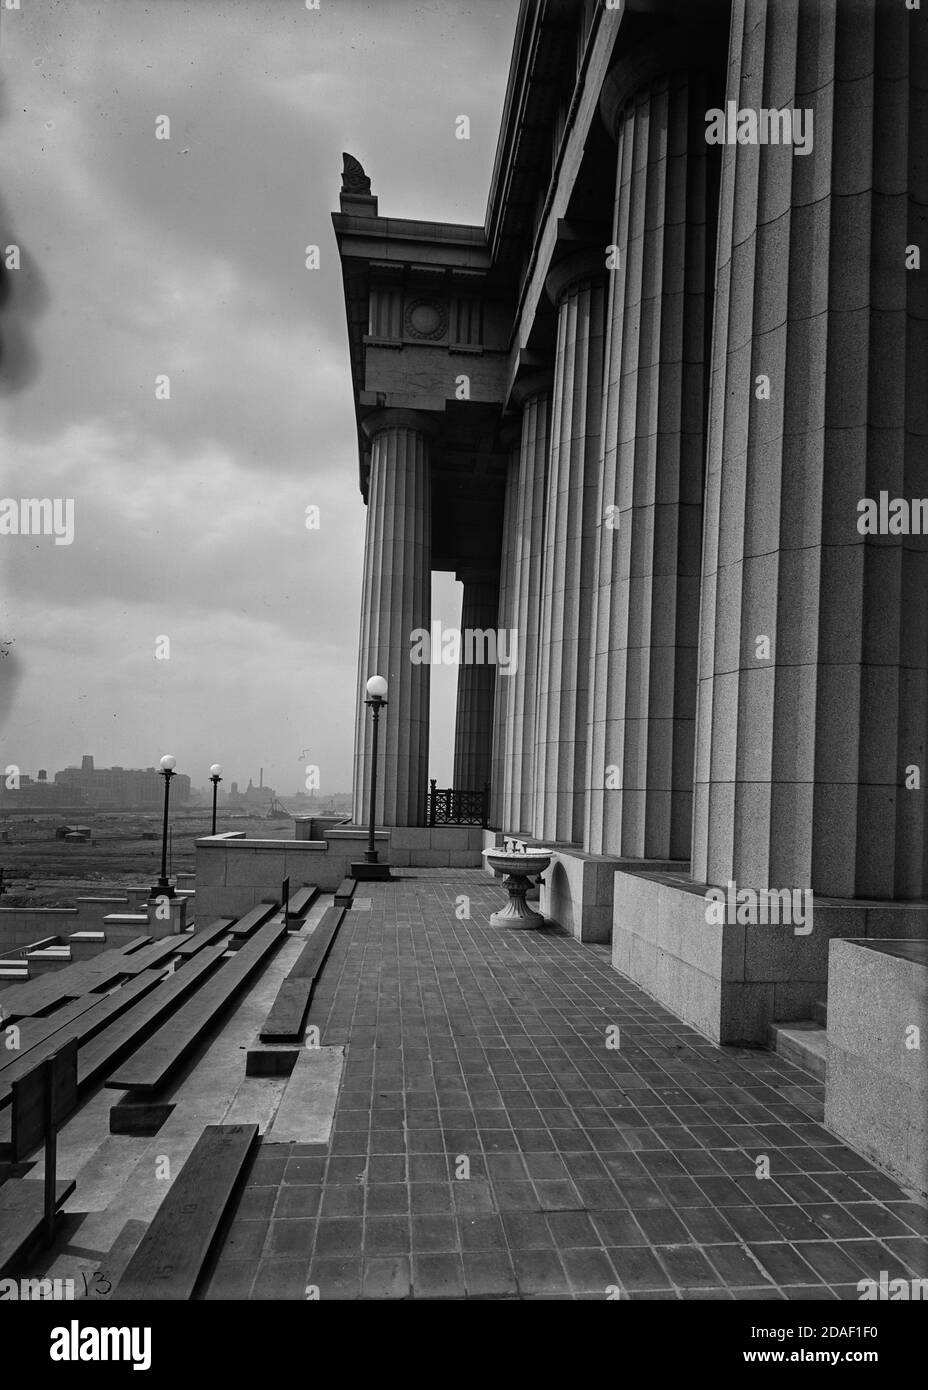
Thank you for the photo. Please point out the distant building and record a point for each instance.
(256, 798)
(119, 788)
(36, 794)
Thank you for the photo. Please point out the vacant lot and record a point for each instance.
(40, 870)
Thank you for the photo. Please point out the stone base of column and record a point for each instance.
(731, 981)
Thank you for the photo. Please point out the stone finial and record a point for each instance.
(354, 179)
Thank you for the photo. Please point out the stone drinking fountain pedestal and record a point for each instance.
(518, 867)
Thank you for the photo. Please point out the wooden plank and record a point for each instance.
(39, 995)
(114, 1041)
(345, 892)
(288, 1013)
(252, 920)
(284, 1023)
(133, 945)
(302, 900)
(33, 1031)
(199, 939)
(176, 1246)
(35, 997)
(312, 957)
(85, 1026)
(153, 1065)
(22, 1215)
(155, 954)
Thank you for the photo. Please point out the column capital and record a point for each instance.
(670, 50)
(532, 384)
(587, 264)
(395, 418)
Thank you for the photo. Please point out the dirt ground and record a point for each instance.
(42, 871)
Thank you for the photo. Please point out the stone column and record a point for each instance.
(577, 288)
(813, 654)
(649, 515)
(501, 787)
(395, 602)
(533, 394)
(473, 727)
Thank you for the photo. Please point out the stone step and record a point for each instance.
(802, 1042)
(820, 1012)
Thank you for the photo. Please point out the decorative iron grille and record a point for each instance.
(452, 806)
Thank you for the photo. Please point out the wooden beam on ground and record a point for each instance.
(301, 901)
(245, 926)
(285, 1021)
(151, 1067)
(173, 1252)
(84, 1027)
(199, 939)
(312, 957)
(125, 1033)
(345, 892)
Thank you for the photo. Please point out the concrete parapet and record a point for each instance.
(876, 1092)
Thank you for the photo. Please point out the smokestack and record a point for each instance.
(260, 776)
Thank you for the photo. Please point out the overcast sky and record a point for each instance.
(185, 257)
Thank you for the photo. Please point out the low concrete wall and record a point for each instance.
(577, 891)
(876, 1090)
(234, 874)
(87, 944)
(316, 827)
(20, 925)
(47, 961)
(730, 980)
(436, 847)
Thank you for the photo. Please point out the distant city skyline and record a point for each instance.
(129, 787)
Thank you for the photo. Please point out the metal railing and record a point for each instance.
(452, 806)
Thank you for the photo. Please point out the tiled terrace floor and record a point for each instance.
(591, 1171)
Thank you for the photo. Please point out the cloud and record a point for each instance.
(185, 257)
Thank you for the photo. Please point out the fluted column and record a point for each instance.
(813, 687)
(395, 602)
(534, 397)
(473, 727)
(500, 785)
(649, 515)
(577, 287)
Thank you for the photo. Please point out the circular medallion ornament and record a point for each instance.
(426, 318)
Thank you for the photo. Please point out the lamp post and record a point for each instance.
(162, 888)
(215, 776)
(372, 868)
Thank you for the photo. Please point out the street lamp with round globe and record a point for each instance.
(164, 889)
(215, 776)
(376, 691)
